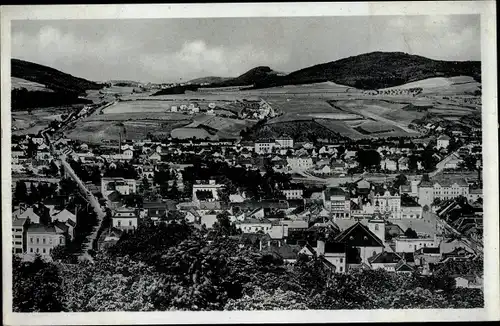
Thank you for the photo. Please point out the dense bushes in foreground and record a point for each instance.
(191, 274)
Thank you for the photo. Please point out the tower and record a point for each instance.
(377, 226)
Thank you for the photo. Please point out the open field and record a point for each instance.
(29, 85)
(97, 131)
(443, 86)
(24, 123)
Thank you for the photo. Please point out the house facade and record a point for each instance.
(42, 240)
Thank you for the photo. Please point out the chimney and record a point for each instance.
(320, 247)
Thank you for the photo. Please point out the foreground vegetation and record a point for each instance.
(173, 267)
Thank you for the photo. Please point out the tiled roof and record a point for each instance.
(40, 228)
(360, 236)
(385, 258)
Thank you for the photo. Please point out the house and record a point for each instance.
(335, 253)
(427, 255)
(121, 185)
(387, 201)
(253, 225)
(284, 141)
(389, 165)
(336, 202)
(293, 193)
(288, 253)
(264, 146)
(453, 161)
(200, 188)
(300, 163)
(468, 281)
(385, 260)
(125, 219)
(364, 242)
(403, 163)
(405, 244)
(30, 215)
(108, 238)
(155, 157)
(259, 240)
(443, 141)
(64, 216)
(43, 239)
(154, 210)
(19, 226)
(474, 194)
(443, 189)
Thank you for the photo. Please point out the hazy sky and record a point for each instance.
(161, 50)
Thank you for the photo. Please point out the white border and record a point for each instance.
(490, 149)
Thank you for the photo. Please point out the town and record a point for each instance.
(401, 205)
(211, 165)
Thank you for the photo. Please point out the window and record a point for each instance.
(37, 250)
(43, 240)
(31, 249)
(129, 223)
(37, 240)
(61, 240)
(119, 223)
(374, 253)
(31, 240)
(43, 250)
(341, 269)
(17, 236)
(341, 260)
(376, 227)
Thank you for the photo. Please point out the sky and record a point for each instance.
(173, 50)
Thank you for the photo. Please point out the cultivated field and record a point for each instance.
(24, 123)
(29, 85)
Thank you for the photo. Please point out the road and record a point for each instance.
(88, 195)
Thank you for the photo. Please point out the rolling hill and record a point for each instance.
(35, 85)
(373, 70)
(209, 79)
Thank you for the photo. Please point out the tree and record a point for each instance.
(400, 180)
(36, 286)
(268, 300)
(21, 192)
(368, 158)
(174, 192)
(410, 233)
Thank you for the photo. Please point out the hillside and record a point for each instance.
(383, 69)
(36, 85)
(209, 79)
(50, 77)
(253, 76)
(373, 70)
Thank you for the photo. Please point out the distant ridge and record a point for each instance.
(365, 71)
(209, 79)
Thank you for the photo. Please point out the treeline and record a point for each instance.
(173, 267)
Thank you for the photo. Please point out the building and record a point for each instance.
(453, 161)
(300, 163)
(19, 226)
(121, 185)
(336, 201)
(404, 244)
(333, 252)
(264, 146)
(43, 239)
(443, 142)
(387, 202)
(474, 194)
(411, 211)
(385, 260)
(365, 242)
(125, 219)
(206, 187)
(293, 193)
(445, 189)
(284, 142)
(389, 165)
(253, 225)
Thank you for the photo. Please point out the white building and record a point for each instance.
(300, 163)
(444, 189)
(209, 185)
(336, 202)
(404, 244)
(443, 142)
(125, 219)
(122, 185)
(388, 203)
(42, 240)
(284, 142)
(264, 146)
(293, 193)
